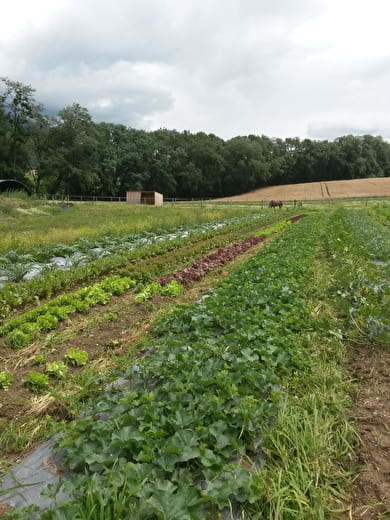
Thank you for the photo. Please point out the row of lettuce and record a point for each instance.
(181, 441)
(16, 295)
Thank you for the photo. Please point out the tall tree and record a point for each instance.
(75, 152)
(18, 103)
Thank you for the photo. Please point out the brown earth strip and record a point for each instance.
(370, 495)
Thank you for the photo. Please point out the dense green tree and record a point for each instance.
(74, 147)
(70, 154)
(18, 105)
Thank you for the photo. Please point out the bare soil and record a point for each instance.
(359, 188)
(370, 495)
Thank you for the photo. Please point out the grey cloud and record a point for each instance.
(227, 68)
(119, 93)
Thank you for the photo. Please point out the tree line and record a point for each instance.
(71, 154)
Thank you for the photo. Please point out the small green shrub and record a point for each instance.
(76, 357)
(6, 379)
(17, 339)
(31, 329)
(39, 359)
(57, 369)
(173, 288)
(111, 316)
(47, 322)
(37, 382)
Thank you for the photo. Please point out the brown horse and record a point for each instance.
(275, 204)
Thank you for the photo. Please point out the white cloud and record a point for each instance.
(278, 68)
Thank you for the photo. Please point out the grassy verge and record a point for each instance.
(23, 220)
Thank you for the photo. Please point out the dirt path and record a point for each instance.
(369, 366)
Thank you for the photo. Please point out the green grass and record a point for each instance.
(31, 223)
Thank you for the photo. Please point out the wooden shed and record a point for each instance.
(152, 198)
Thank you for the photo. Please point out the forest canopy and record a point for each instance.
(71, 154)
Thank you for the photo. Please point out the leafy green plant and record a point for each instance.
(31, 329)
(37, 382)
(47, 322)
(117, 285)
(6, 379)
(173, 288)
(76, 357)
(147, 292)
(39, 359)
(94, 295)
(57, 369)
(17, 339)
(61, 313)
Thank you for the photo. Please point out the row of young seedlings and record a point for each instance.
(185, 436)
(22, 331)
(38, 382)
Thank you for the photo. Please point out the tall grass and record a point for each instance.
(25, 227)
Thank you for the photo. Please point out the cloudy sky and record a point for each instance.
(282, 68)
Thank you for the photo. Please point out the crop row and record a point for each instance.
(15, 295)
(359, 250)
(173, 445)
(16, 266)
(21, 331)
(201, 267)
(371, 238)
(38, 382)
(24, 329)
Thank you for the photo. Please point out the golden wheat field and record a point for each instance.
(371, 187)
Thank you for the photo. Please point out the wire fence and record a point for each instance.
(210, 200)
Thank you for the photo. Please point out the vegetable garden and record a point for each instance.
(197, 372)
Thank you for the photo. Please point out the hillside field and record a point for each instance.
(355, 188)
